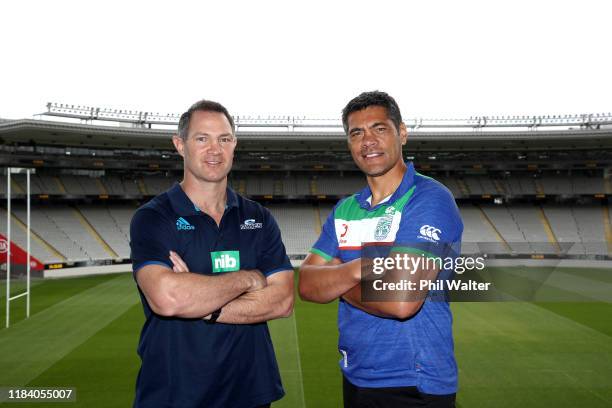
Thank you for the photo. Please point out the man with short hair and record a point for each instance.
(211, 270)
(395, 353)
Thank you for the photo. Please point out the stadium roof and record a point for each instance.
(46, 132)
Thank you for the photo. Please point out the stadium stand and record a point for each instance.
(53, 234)
(302, 186)
(40, 249)
(516, 193)
(532, 226)
(339, 185)
(452, 185)
(81, 185)
(298, 224)
(565, 228)
(590, 228)
(50, 185)
(122, 215)
(474, 186)
(155, 185)
(93, 232)
(507, 226)
(477, 229)
(107, 228)
(291, 185)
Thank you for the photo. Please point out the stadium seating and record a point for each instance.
(95, 232)
(307, 184)
(18, 235)
(590, 228)
(299, 226)
(477, 229)
(155, 185)
(108, 227)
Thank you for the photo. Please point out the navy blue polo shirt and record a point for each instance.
(188, 362)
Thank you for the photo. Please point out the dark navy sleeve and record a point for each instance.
(431, 226)
(151, 239)
(327, 244)
(272, 257)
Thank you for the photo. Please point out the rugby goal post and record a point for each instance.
(7, 246)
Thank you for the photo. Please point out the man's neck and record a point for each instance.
(209, 197)
(385, 185)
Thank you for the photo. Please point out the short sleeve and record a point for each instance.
(431, 225)
(151, 239)
(272, 257)
(327, 244)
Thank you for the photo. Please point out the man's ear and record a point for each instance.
(403, 133)
(179, 144)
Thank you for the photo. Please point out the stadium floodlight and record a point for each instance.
(10, 298)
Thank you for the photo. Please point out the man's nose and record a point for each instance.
(369, 139)
(213, 146)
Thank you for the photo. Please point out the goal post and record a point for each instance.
(26, 293)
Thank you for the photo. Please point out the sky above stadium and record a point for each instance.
(439, 59)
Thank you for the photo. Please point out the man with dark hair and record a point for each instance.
(396, 352)
(204, 106)
(211, 270)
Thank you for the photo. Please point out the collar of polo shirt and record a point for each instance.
(364, 196)
(183, 206)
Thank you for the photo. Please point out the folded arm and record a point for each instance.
(272, 302)
(322, 281)
(392, 308)
(192, 295)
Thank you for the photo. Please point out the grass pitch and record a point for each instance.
(83, 333)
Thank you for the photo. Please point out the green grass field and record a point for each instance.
(83, 333)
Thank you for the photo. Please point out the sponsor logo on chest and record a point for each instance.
(250, 224)
(352, 234)
(225, 261)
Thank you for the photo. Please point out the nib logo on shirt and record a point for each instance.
(225, 261)
(183, 225)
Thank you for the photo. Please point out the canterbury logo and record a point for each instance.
(183, 225)
(430, 232)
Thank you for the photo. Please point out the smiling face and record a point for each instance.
(208, 149)
(374, 141)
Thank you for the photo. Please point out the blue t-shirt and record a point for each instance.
(188, 362)
(421, 217)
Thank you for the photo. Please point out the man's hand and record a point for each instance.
(178, 265)
(394, 307)
(256, 278)
(322, 281)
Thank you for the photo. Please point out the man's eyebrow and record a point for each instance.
(378, 124)
(208, 134)
(355, 129)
